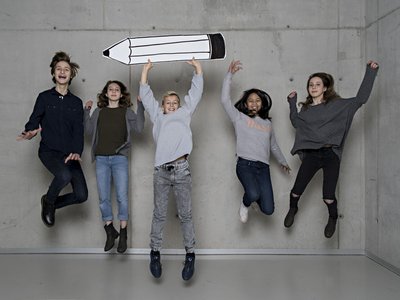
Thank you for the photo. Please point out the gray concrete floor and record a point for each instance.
(233, 277)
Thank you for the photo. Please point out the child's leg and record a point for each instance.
(266, 201)
(247, 175)
(182, 190)
(120, 176)
(103, 177)
(162, 185)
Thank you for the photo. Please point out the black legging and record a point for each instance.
(325, 159)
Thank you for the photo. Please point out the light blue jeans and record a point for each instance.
(176, 176)
(112, 169)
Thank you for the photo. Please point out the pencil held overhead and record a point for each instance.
(139, 50)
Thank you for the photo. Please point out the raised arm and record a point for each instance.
(136, 120)
(292, 99)
(366, 86)
(193, 97)
(226, 100)
(146, 94)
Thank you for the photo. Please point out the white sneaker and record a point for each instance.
(243, 213)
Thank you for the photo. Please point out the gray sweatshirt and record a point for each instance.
(255, 138)
(171, 132)
(328, 124)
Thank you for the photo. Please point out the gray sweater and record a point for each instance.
(328, 124)
(133, 121)
(171, 132)
(255, 138)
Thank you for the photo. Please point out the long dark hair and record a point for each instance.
(328, 82)
(265, 100)
(124, 101)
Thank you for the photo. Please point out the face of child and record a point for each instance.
(170, 104)
(113, 92)
(62, 73)
(253, 104)
(316, 88)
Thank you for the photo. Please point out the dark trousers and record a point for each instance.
(314, 160)
(256, 181)
(64, 173)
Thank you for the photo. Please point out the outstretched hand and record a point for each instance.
(235, 66)
(286, 169)
(27, 135)
(145, 71)
(89, 104)
(373, 64)
(196, 64)
(292, 95)
(73, 156)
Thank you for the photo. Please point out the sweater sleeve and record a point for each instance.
(136, 120)
(88, 121)
(193, 97)
(294, 114)
(149, 102)
(226, 101)
(276, 151)
(366, 86)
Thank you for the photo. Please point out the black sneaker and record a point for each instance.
(330, 227)
(188, 268)
(155, 264)
(289, 219)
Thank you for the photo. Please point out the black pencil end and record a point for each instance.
(106, 53)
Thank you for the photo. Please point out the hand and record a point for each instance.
(196, 65)
(292, 95)
(89, 104)
(235, 66)
(27, 135)
(146, 68)
(286, 169)
(138, 99)
(373, 64)
(73, 156)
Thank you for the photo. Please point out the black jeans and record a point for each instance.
(314, 160)
(64, 173)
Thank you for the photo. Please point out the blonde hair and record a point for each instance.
(171, 93)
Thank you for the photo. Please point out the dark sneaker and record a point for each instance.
(188, 268)
(155, 264)
(289, 219)
(330, 227)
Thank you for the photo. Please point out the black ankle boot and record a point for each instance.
(332, 220)
(188, 268)
(112, 235)
(155, 264)
(122, 243)
(48, 212)
(289, 219)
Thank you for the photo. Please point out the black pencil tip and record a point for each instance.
(106, 53)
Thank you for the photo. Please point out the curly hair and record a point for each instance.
(265, 100)
(124, 101)
(328, 82)
(62, 56)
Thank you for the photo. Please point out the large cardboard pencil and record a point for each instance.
(138, 50)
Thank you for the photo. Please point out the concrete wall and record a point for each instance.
(382, 135)
(279, 42)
